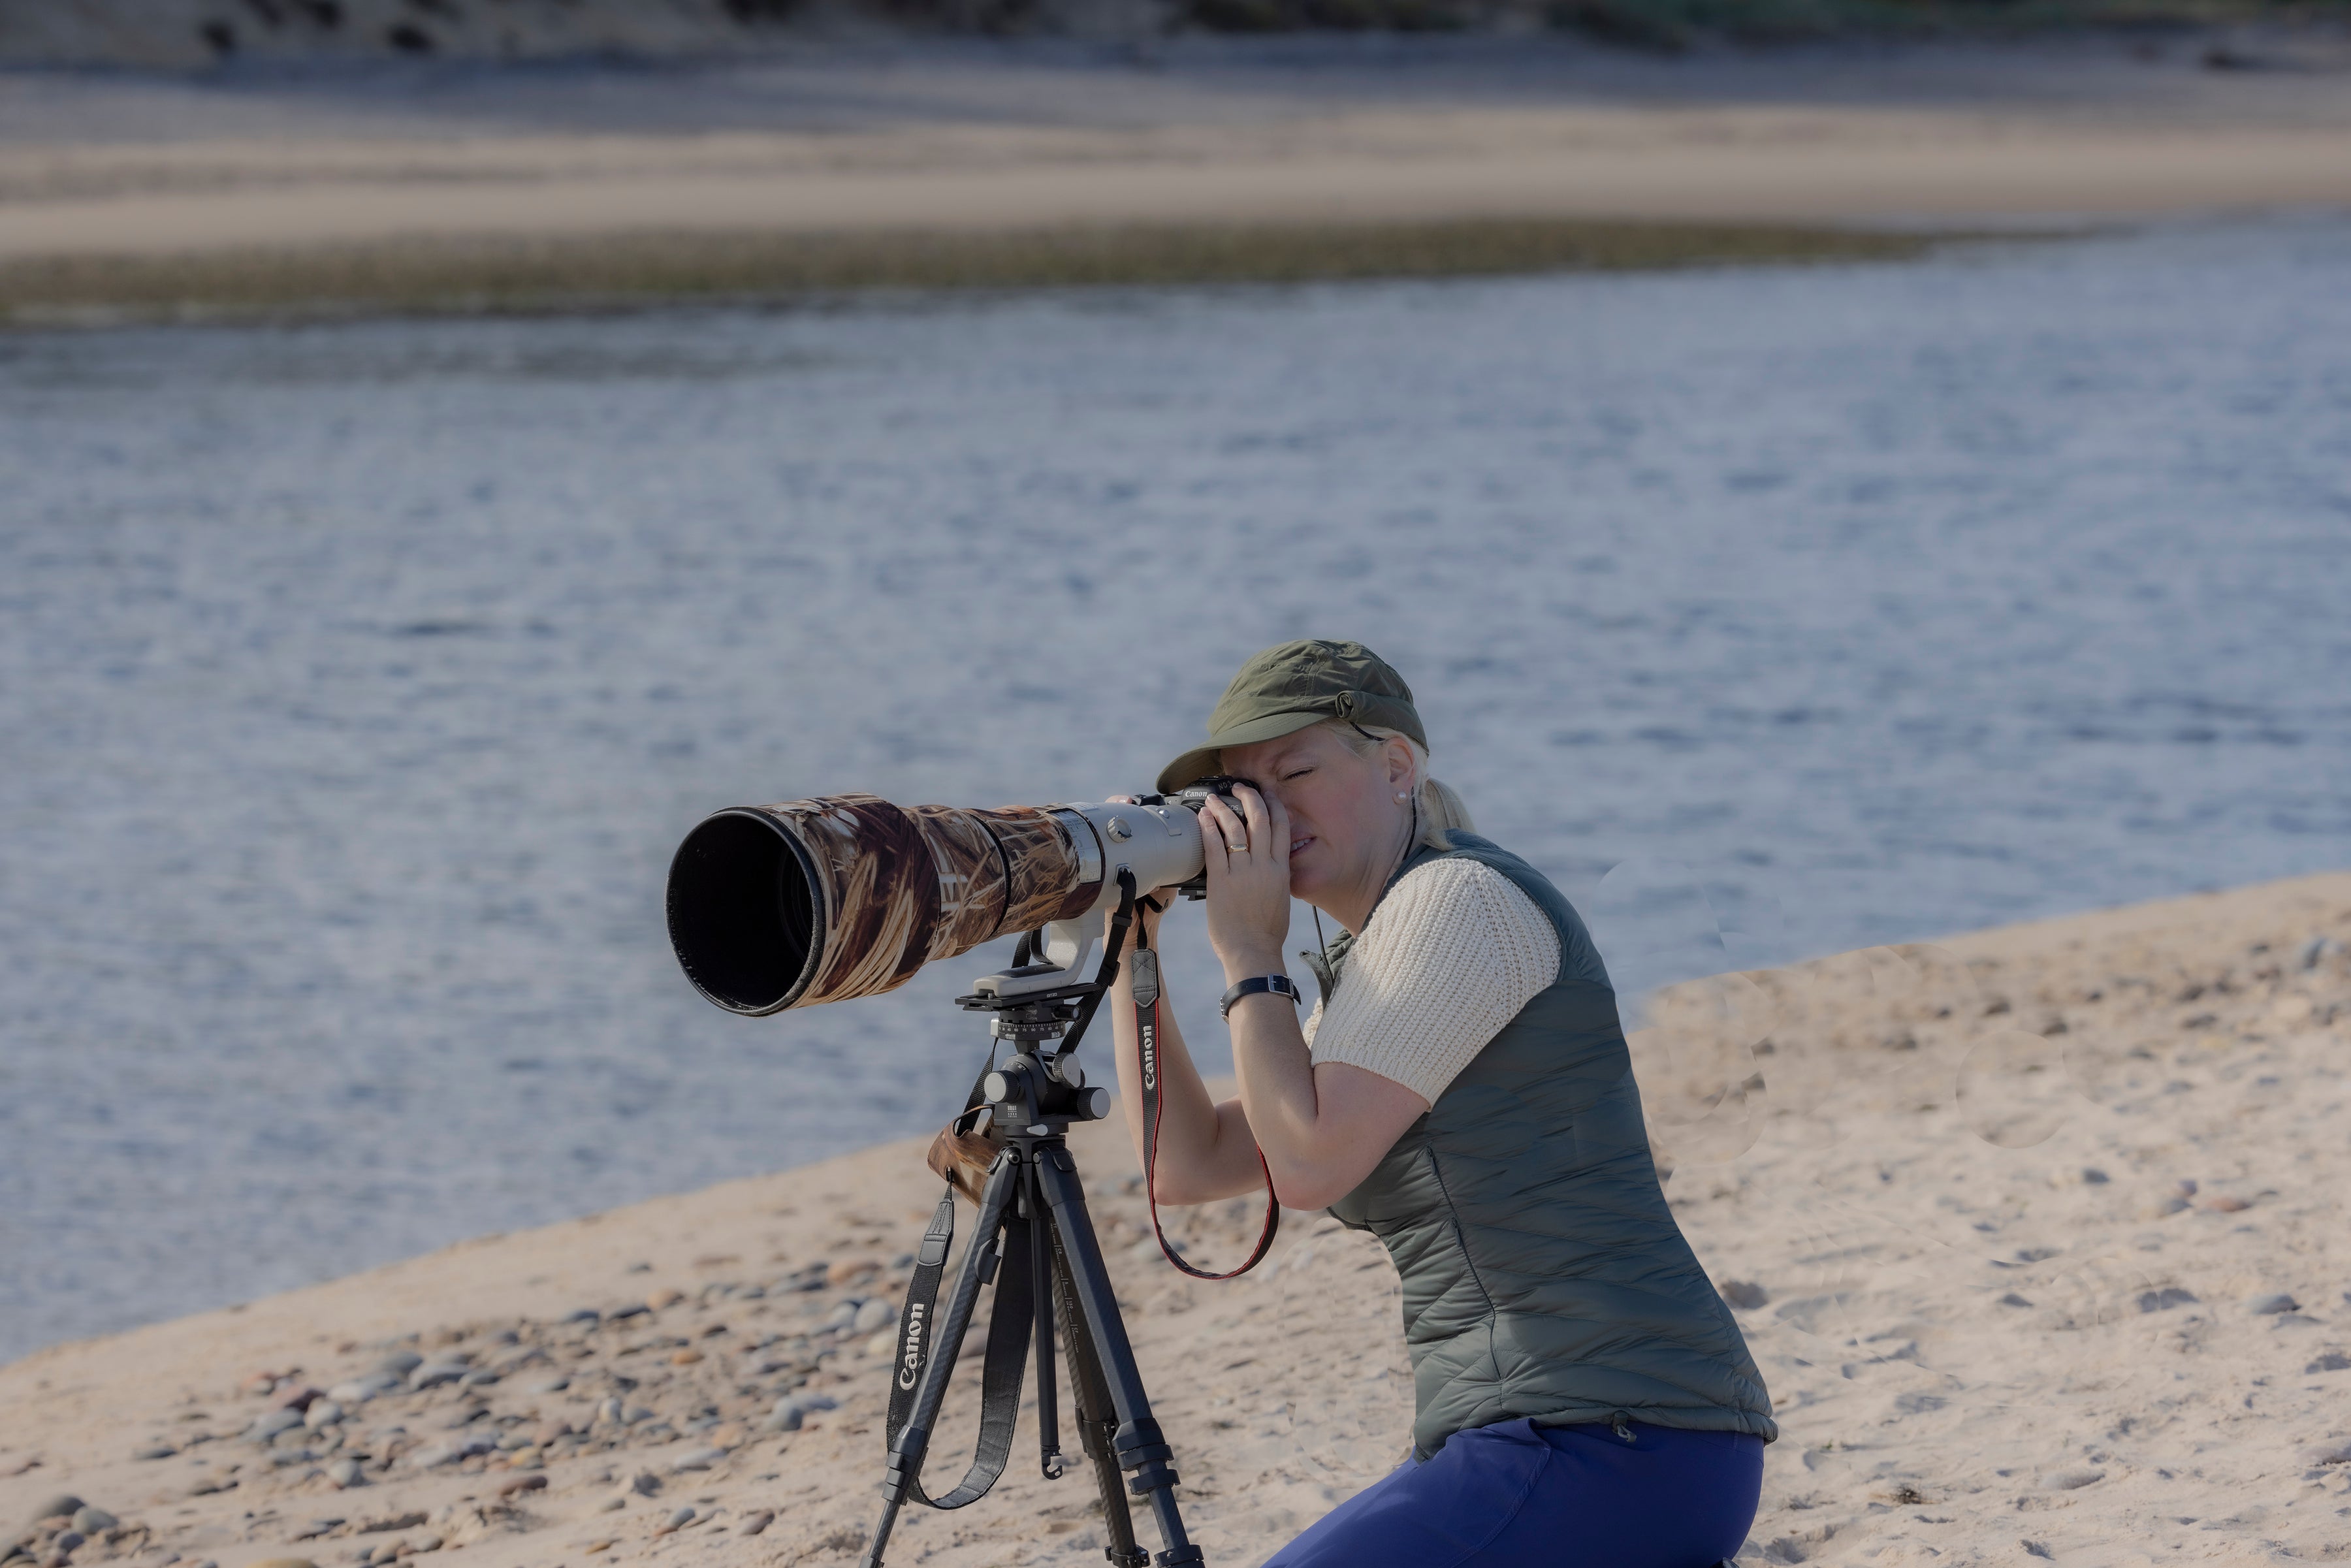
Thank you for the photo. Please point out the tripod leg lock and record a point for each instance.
(1182, 1555)
(904, 1466)
(1139, 1443)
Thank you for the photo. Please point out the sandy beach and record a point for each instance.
(262, 190)
(2035, 1233)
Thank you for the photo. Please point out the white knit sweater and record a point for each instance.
(1448, 956)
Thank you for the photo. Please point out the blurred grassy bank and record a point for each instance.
(1675, 26)
(626, 271)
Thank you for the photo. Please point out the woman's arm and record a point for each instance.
(1206, 1151)
(1321, 1127)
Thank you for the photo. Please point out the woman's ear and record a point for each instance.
(1399, 758)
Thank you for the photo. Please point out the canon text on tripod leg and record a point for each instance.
(906, 1454)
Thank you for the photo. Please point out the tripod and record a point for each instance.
(1035, 1242)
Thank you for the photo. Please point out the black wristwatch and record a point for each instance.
(1280, 985)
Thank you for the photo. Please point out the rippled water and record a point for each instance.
(357, 681)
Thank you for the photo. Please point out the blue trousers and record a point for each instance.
(1518, 1494)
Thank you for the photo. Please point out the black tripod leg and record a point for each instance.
(914, 1442)
(1042, 1258)
(1097, 1425)
(1140, 1447)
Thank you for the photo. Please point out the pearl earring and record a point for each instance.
(1401, 798)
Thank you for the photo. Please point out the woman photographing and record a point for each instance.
(1463, 1092)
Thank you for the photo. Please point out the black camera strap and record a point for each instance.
(1146, 1033)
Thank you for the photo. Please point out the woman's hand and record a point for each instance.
(1248, 855)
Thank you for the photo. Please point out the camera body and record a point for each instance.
(1192, 799)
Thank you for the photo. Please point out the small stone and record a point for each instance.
(1745, 1294)
(678, 1521)
(551, 1386)
(401, 1363)
(757, 1520)
(522, 1484)
(347, 1473)
(875, 1314)
(322, 1414)
(2013, 1299)
(2334, 1451)
(426, 1543)
(663, 1299)
(685, 1357)
(297, 1397)
(851, 1271)
(2276, 1301)
(2093, 1177)
(634, 1310)
(882, 1343)
(155, 1451)
(593, 1547)
(697, 1459)
(2164, 1300)
(2333, 1360)
(315, 1528)
(582, 1315)
(397, 1522)
(90, 1519)
(67, 1540)
(433, 1374)
(611, 1504)
(644, 1483)
(278, 1420)
(65, 1505)
(2226, 1205)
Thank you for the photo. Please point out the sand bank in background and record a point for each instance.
(920, 165)
(2036, 1235)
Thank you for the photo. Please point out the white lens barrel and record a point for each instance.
(1160, 845)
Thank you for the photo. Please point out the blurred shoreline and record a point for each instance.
(453, 187)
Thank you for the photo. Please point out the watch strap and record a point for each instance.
(1280, 985)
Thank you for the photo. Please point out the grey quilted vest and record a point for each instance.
(1543, 1275)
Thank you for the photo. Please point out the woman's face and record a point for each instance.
(1343, 813)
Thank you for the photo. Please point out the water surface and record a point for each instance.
(356, 681)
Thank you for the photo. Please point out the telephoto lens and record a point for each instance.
(847, 895)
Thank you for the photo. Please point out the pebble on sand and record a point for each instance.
(1745, 1294)
(2272, 1301)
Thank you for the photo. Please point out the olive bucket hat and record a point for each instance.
(1285, 688)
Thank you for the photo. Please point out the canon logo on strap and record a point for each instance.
(910, 1361)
